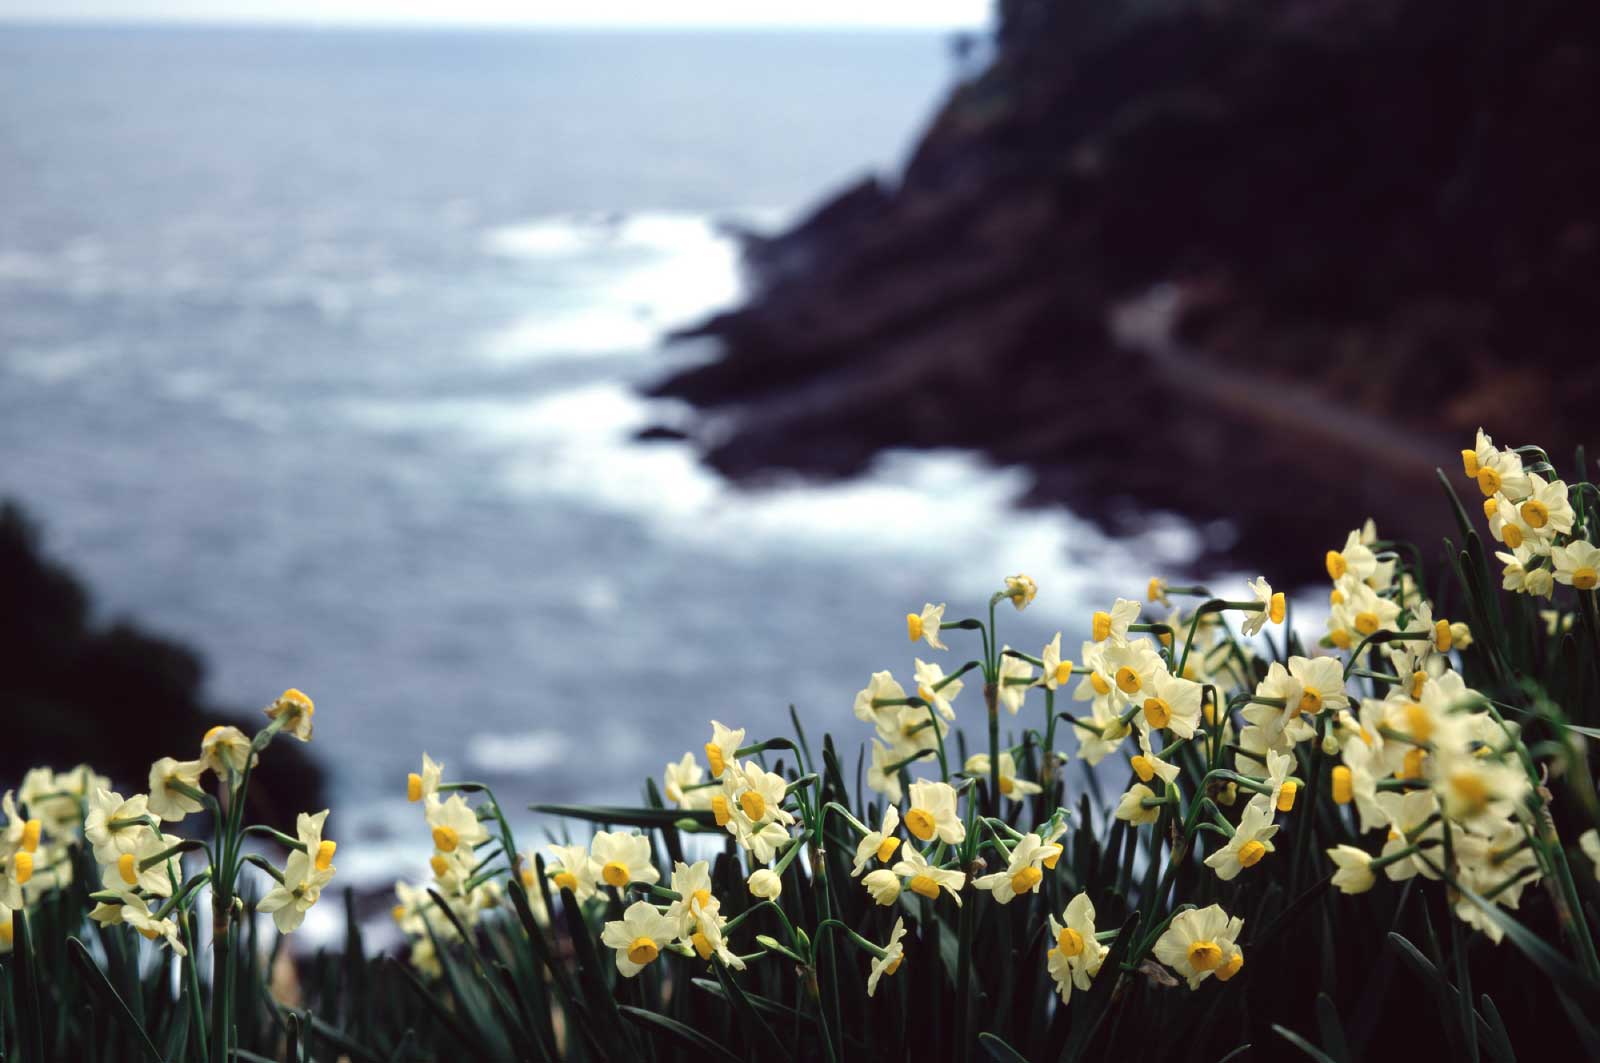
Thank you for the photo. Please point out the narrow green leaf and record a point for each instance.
(1495, 1040)
(672, 1028)
(999, 1051)
(1088, 1010)
(1302, 1044)
(1331, 1030)
(759, 1035)
(1236, 1053)
(96, 980)
(1557, 967)
(25, 991)
(644, 818)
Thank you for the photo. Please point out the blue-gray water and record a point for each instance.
(317, 351)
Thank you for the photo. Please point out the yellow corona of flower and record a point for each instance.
(724, 744)
(424, 784)
(1250, 842)
(880, 843)
(925, 625)
(1577, 565)
(1023, 871)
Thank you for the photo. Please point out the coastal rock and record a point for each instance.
(1371, 228)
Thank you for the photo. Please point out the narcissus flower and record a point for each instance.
(1021, 589)
(573, 870)
(1055, 671)
(424, 784)
(1171, 703)
(928, 679)
(881, 687)
(1321, 685)
(1147, 765)
(1412, 819)
(128, 874)
(1075, 954)
(977, 766)
(289, 901)
(1012, 694)
(166, 800)
(1133, 666)
(638, 937)
(893, 954)
(1279, 766)
(1354, 559)
(925, 879)
(308, 828)
(1250, 842)
(1354, 874)
(114, 826)
(691, 882)
(925, 625)
(1272, 608)
(722, 747)
(1577, 565)
(764, 883)
(136, 913)
(933, 811)
(1200, 943)
(622, 858)
(880, 843)
(1132, 807)
(758, 793)
(225, 750)
(680, 778)
(707, 937)
(879, 777)
(454, 824)
(1113, 625)
(883, 885)
(1023, 872)
(298, 709)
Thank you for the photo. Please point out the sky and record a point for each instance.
(599, 14)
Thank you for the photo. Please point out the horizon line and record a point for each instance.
(425, 25)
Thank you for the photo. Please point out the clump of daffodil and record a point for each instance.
(1200, 943)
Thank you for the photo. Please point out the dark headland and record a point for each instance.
(1267, 263)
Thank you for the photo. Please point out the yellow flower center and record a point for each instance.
(1099, 683)
(702, 945)
(1336, 597)
(1512, 535)
(1064, 671)
(398, 913)
(1128, 680)
(1231, 968)
(719, 810)
(894, 964)
(1069, 942)
(714, 758)
(1205, 955)
(128, 868)
(702, 898)
(1287, 795)
(1366, 622)
(1411, 765)
(1470, 790)
(325, 855)
(615, 872)
(1418, 679)
(913, 626)
(886, 849)
(1343, 785)
(1535, 513)
(1155, 589)
(22, 868)
(1340, 638)
(441, 866)
(1420, 723)
(1584, 578)
(527, 878)
(30, 835)
(643, 951)
(1469, 462)
(413, 787)
(1157, 711)
(1055, 855)
(1100, 626)
(1488, 480)
(209, 735)
(1007, 784)
(1026, 879)
(445, 839)
(1310, 701)
(296, 704)
(1491, 506)
(565, 880)
(1143, 768)
(150, 933)
(924, 885)
(919, 821)
(1209, 709)
(1277, 608)
(754, 805)
(1251, 852)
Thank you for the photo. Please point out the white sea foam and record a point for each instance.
(526, 752)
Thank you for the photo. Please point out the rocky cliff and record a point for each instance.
(1267, 263)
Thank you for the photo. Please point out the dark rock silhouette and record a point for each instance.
(113, 696)
(1373, 226)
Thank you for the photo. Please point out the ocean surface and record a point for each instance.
(319, 351)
